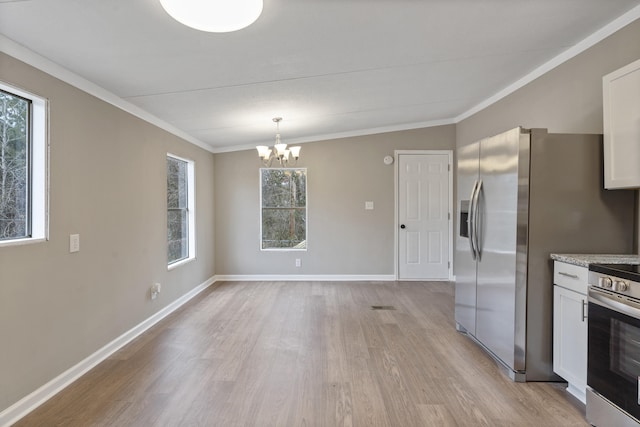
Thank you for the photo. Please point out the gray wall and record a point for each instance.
(108, 183)
(343, 237)
(568, 99)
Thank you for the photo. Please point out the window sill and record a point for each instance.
(19, 242)
(283, 249)
(179, 263)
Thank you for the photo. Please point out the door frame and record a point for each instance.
(396, 236)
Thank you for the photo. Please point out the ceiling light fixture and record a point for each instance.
(216, 16)
(279, 151)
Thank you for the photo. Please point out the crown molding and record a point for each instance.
(38, 61)
(338, 135)
(595, 38)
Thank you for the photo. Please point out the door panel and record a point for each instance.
(413, 195)
(435, 245)
(423, 246)
(413, 247)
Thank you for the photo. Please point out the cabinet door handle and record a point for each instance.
(573, 276)
(584, 310)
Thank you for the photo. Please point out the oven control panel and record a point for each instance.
(614, 284)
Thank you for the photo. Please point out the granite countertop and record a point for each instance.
(583, 260)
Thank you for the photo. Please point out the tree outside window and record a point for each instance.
(180, 210)
(14, 166)
(283, 208)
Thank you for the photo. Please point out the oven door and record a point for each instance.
(614, 349)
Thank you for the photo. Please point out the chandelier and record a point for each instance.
(216, 16)
(285, 156)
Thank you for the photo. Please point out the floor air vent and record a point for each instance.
(382, 307)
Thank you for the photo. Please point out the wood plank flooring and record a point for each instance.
(307, 354)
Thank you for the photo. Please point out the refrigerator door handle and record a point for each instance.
(476, 215)
(471, 220)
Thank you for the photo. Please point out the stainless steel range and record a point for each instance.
(613, 369)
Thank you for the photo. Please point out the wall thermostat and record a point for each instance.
(388, 160)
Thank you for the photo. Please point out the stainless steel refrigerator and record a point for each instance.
(523, 195)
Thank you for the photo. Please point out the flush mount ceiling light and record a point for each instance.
(216, 16)
(286, 156)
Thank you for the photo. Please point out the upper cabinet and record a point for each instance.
(621, 97)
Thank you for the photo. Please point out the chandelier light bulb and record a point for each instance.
(264, 151)
(216, 16)
(285, 156)
(295, 151)
(280, 148)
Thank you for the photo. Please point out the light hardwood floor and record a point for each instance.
(307, 354)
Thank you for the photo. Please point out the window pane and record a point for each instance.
(284, 214)
(177, 234)
(299, 187)
(14, 155)
(177, 210)
(300, 224)
(283, 228)
(276, 188)
(176, 183)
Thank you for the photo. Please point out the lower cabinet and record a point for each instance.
(570, 339)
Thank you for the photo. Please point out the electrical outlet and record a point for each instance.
(74, 243)
(155, 290)
(298, 262)
(368, 206)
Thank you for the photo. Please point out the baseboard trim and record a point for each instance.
(306, 278)
(30, 402)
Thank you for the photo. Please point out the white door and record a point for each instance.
(423, 216)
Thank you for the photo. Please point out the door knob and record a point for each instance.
(403, 226)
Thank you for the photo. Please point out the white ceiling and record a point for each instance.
(328, 67)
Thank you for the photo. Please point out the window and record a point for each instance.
(283, 210)
(23, 162)
(180, 211)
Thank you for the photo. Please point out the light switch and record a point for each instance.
(368, 206)
(74, 243)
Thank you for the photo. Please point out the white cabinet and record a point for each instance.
(621, 108)
(570, 326)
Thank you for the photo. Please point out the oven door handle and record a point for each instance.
(630, 308)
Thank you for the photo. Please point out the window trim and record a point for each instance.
(191, 212)
(38, 167)
(306, 213)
